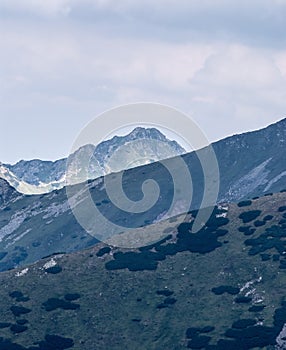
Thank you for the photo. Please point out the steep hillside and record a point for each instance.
(253, 163)
(221, 288)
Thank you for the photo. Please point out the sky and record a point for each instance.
(62, 62)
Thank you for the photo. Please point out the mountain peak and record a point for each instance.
(141, 132)
(38, 176)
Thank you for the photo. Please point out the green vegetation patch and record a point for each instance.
(55, 303)
(19, 310)
(54, 269)
(17, 328)
(103, 251)
(249, 216)
(245, 203)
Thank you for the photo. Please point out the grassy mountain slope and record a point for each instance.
(222, 288)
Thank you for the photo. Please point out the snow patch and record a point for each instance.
(50, 264)
(249, 182)
(277, 178)
(15, 222)
(16, 237)
(22, 273)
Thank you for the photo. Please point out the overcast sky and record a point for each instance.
(64, 61)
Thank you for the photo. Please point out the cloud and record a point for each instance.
(62, 75)
(239, 88)
(35, 7)
(64, 61)
(257, 23)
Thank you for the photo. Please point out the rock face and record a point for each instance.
(7, 192)
(281, 340)
(142, 146)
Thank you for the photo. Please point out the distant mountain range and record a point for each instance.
(251, 164)
(141, 146)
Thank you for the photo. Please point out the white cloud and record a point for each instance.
(239, 88)
(40, 7)
(241, 67)
(63, 61)
(65, 58)
(280, 59)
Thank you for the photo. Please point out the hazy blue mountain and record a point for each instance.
(37, 176)
(251, 164)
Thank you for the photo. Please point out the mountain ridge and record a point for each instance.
(44, 224)
(37, 176)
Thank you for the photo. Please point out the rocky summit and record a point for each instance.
(139, 147)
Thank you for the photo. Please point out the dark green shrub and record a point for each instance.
(54, 303)
(245, 203)
(22, 322)
(199, 342)
(259, 223)
(54, 269)
(145, 260)
(103, 251)
(247, 230)
(243, 323)
(4, 325)
(17, 328)
(16, 294)
(72, 296)
(249, 216)
(243, 300)
(55, 342)
(170, 301)
(207, 329)
(265, 257)
(166, 303)
(19, 310)
(256, 308)
(225, 289)
(165, 292)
